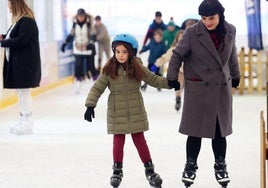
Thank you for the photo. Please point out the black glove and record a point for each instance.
(174, 84)
(63, 47)
(235, 83)
(89, 114)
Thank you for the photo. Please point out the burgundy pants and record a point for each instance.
(140, 144)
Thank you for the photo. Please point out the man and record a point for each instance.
(101, 36)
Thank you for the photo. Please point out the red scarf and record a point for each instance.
(215, 39)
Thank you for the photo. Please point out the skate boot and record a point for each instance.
(178, 103)
(24, 126)
(153, 178)
(221, 173)
(117, 176)
(189, 172)
(143, 87)
(78, 85)
(95, 77)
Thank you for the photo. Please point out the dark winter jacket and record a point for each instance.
(208, 75)
(156, 50)
(154, 26)
(24, 67)
(126, 111)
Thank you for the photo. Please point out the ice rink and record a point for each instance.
(68, 152)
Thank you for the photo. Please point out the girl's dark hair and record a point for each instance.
(133, 66)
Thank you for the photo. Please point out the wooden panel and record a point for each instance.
(263, 149)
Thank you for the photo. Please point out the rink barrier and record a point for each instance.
(263, 152)
(253, 67)
(12, 99)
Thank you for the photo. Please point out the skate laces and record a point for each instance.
(117, 169)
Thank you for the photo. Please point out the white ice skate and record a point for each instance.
(77, 86)
(23, 127)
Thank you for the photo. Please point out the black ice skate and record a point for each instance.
(189, 174)
(178, 103)
(153, 178)
(117, 176)
(143, 87)
(221, 173)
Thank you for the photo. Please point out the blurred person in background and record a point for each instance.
(22, 64)
(83, 48)
(156, 47)
(161, 61)
(101, 36)
(188, 22)
(170, 33)
(156, 24)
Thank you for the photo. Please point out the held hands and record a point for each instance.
(235, 83)
(174, 84)
(89, 114)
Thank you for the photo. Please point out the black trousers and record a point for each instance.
(219, 145)
(83, 65)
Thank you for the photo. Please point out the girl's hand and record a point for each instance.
(1, 38)
(89, 114)
(174, 84)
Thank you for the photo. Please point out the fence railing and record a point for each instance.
(253, 68)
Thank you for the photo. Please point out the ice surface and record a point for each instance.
(68, 152)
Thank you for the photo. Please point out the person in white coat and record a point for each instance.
(83, 47)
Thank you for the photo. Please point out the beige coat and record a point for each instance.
(164, 58)
(208, 77)
(126, 112)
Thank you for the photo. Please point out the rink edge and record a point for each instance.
(36, 91)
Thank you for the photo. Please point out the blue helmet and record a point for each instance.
(128, 38)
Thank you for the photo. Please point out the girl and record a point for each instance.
(165, 58)
(208, 52)
(22, 64)
(123, 74)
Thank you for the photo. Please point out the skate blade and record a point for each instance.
(187, 182)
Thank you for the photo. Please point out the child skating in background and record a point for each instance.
(126, 113)
(156, 47)
(165, 59)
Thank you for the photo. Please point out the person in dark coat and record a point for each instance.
(211, 69)
(22, 64)
(126, 113)
(156, 24)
